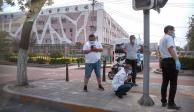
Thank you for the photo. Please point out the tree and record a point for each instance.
(190, 35)
(179, 48)
(33, 7)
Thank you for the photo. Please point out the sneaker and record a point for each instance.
(173, 106)
(100, 87)
(125, 94)
(135, 84)
(164, 104)
(118, 95)
(85, 89)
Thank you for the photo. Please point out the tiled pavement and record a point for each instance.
(59, 91)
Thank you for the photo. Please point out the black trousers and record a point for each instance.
(134, 67)
(169, 75)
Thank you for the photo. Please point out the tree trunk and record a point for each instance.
(35, 8)
(22, 55)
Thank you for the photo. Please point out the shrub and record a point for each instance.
(12, 59)
(73, 60)
(32, 55)
(42, 60)
(81, 60)
(62, 60)
(55, 61)
(187, 63)
(56, 55)
(8, 55)
(32, 59)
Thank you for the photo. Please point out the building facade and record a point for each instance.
(70, 24)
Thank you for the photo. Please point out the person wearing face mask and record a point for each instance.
(120, 82)
(170, 67)
(131, 49)
(92, 50)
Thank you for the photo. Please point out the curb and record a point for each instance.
(54, 104)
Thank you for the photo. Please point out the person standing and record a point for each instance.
(131, 49)
(170, 65)
(92, 50)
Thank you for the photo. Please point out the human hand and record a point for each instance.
(94, 49)
(178, 65)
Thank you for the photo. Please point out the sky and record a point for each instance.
(175, 12)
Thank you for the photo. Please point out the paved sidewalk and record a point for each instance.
(69, 95)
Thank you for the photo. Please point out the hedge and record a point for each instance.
(56, 55)
(45, 59)
(12, 59)
(187, 63)
(62, 60)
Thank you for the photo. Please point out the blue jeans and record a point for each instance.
(123, 89)
(89, 67)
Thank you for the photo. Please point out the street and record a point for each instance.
(8, 75)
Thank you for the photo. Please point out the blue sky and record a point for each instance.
(176, 13)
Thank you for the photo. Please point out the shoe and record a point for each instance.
(164, 104)
(100, 87)
(118, 95)
(173, 106)
(125, 94)
(135, 84)
(85, 89)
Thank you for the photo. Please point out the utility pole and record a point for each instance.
(146, 6)
(92, 17)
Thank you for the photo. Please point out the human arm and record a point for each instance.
(173, 54)
(97, 48)
(86, 48)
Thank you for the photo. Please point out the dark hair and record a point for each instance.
(132, 36)
(168, 28)
(91, 35)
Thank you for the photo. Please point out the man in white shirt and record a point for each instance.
(131, 49)
(170, 65)
(120, 82)
(92, 50)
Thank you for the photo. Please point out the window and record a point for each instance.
(92, 28)
(41, 22)
(86, 7)
(67, 9)
(47, 31)
(56, 30)
(12, 16)
(58, 10)
(76, 8)
(53, 21)
(5, 16)
(93, 18)
(63, 20)
(71, 30)
(64, 29)
(39, 31)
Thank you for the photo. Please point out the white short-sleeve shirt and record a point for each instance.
(131, 50)
(92, 57)
(165, 43)
(119, 78)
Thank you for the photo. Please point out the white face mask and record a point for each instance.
(173, 34)
(91, 42)
(133, 41)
